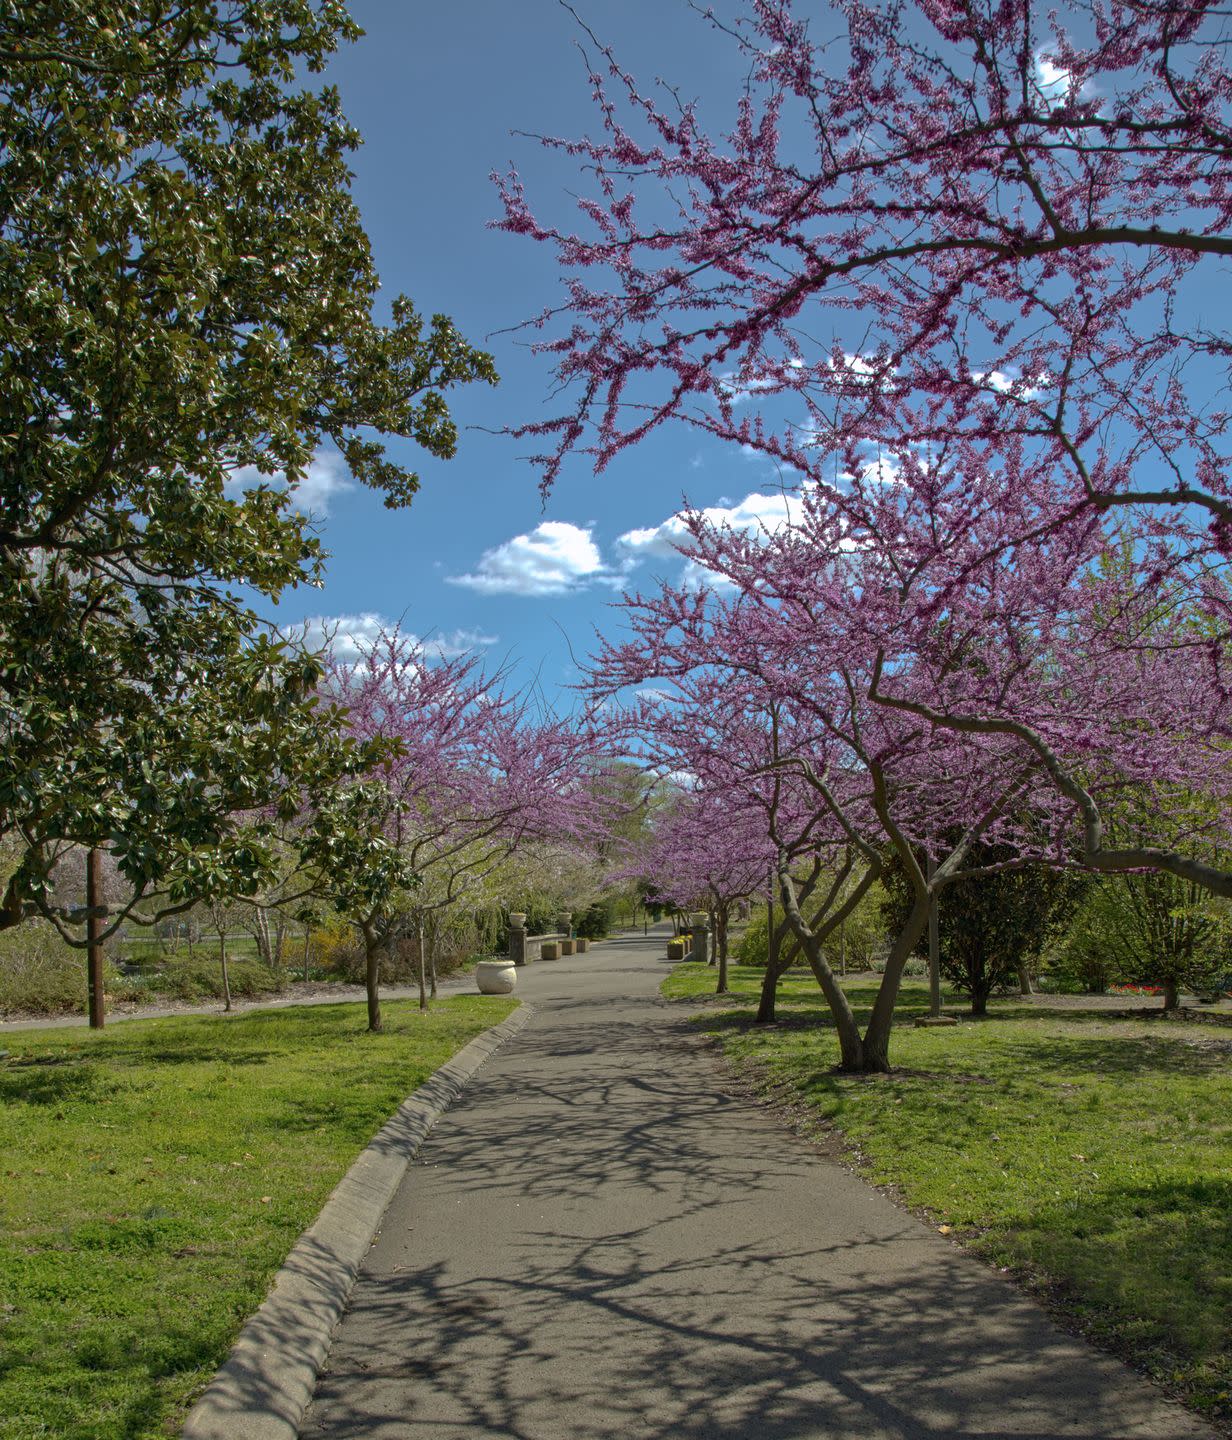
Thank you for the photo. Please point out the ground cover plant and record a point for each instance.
(1088, 1155)
(153, 1178)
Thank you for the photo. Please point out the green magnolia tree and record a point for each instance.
(186, 318)
(989, 925)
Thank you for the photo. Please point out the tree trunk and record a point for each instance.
(433, 948)
(766, 1001)
(851, 1046)
(1172, 995)
(770, 981)
(307, 947)
(423, 975)
(979, 1000)
(876, 1050)
(372, 977)
(226, 978)
(263, 938)
(1024, 980)
(778, 962)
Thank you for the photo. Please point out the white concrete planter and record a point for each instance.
(517, 918)
(496, 977)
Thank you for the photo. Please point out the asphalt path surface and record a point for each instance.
(600, 1240)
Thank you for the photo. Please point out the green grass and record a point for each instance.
(153, 1177)
(1090, 1156)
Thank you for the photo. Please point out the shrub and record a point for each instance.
(753, 947)
(40, 973)
(1082, 964)
(988, 925)
(596, 920)
(914, 967)
(335, 947)
(198, 979)
(861, 944)
(1149, 929)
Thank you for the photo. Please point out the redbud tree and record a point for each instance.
(469, 774)
(944, 268)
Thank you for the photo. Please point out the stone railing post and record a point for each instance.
(517, 938)
(700, 928)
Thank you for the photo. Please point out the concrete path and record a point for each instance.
(598, 1242)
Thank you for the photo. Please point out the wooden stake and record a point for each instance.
(94, 929)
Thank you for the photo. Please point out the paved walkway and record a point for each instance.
(598, 1242)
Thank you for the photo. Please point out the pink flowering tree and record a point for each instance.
(980, 230)
(834, 777)
(945, 269)
(1015, 706)
(471, 773)
(707, 852)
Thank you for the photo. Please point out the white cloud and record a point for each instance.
(457, 642)
(773, 376)
(1052, 83)
(326, 476)
(347, 635)
(1003, 382)
(882, 470)
(553, 559)
(765, 514)
(737, 391)
(351, 635)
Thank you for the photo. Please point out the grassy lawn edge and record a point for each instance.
(154, 1178)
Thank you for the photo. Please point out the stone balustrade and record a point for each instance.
(524, 949)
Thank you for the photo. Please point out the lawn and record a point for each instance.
(1090, 1156)
(153, 1177)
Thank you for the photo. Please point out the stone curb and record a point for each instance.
(265, 1384)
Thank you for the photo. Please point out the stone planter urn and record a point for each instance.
(496, 977)
(564, 923)
(517, 918)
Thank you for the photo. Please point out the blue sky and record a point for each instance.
(436, 91)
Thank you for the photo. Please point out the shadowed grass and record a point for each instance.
(154, 1176)
(1092, 1156)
